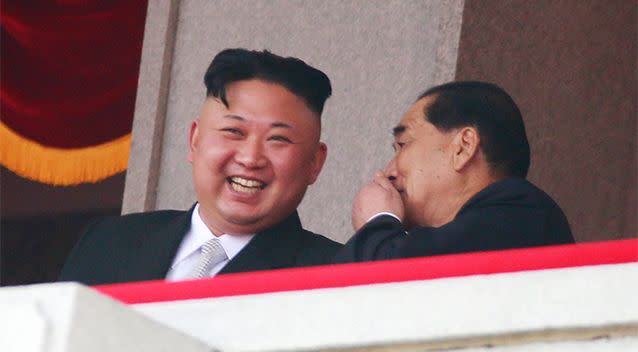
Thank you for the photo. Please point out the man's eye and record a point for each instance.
(232, 131)
(280, 139)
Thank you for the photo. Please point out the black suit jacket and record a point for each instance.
(139, 247)
(511, 213)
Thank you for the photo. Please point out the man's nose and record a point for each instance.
(250, 154)
(391, 170)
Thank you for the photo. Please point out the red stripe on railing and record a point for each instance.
(331, 276)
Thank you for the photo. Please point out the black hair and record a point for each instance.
(492, 112)
(232, 65)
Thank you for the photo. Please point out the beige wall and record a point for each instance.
(571, 66)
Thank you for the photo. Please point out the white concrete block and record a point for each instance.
(69, 317)
(621, 344)
(582, 301)
(22, 328)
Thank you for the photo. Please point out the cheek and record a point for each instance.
(291, 165)
(407, 164)
(412, 168)
(215, 154)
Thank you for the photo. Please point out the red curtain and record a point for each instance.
(69, 78)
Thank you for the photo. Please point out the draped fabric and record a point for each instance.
(69, 75)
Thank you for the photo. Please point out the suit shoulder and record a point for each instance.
(153, 219)
(513, 193)
(319, 241)
(104, 248)
(316, 249)
(117, 230)
(514, 210)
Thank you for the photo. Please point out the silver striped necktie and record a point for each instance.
(212, 253)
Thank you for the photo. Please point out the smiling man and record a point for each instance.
(456, 182)
(254, 150)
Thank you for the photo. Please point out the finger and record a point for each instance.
(381, 179)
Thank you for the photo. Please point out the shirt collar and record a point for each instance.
(200, 233)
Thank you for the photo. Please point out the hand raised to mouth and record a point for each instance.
(378, 196)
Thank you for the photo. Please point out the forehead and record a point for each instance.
(414, 118)
(262, 93)
(257, 101)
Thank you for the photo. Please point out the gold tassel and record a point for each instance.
(61, 166)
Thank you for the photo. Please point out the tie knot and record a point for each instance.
(212, 253)
(211, 246)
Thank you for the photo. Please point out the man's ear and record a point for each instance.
(317, 163)
(192, 139)
(466, 147)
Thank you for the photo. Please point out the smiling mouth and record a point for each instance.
(244, 185)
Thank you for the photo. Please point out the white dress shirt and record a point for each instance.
(188, 252)
(383, 213)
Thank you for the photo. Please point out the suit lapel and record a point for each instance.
(155, 251)
(273, 248)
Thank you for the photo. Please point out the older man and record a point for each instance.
(254, 150)
(456, 182)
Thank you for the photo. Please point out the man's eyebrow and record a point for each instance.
(274, 124)
(280, 125)
(398, 130)
(235, 117)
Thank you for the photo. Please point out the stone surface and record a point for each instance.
(67, 317)
(140, 191)
(535, 307)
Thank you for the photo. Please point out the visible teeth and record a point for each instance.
(240, 188)
(246, 183)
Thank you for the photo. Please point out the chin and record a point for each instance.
(243, 220)
(253, 217)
